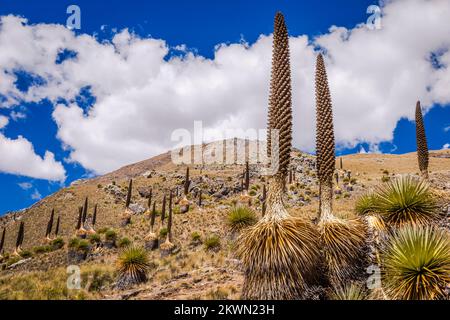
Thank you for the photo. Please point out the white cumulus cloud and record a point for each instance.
(375, 77)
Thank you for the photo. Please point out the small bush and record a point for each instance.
(26, 254)
(95, 238)
(241, 217)
(195, 236)
(83, 245)
(57, 243)
(73, 243)
(124, 242)
(163, 232)
(252, 193)
(212, 242)
(102, 230)
(42, 249)
(385, 179)
(110, 235)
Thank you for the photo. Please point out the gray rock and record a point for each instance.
(136, 208)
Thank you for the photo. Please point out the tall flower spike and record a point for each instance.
(325, 150)
(85, 209)
(57, 226)
(50, 224)
(279, 253)
(130, 189)
(94, 216)
(2, 240)
(422, 147)
(279, 117)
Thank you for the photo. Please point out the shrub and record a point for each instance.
(83, 245)
(252, 193)
(124, 242)
(95, 238)
(163, 232)
(241, 217)
(26, 254)
(42, 249)
(405, 200)
(57, 243)
(110, 235)
(73, 243)
(212, 242)
(102, 230)
(416, 262)
(132, 267)
(195, 236)
(385, 179)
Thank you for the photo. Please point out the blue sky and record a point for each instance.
(200, 25)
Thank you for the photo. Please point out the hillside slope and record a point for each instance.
(192, 272)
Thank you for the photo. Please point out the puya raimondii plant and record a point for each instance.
(279, 253)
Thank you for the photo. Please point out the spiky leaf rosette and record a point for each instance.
(422, 147)
(406, 200)
(343, 245)
(280, 100)
(132, 267)
(349, 291)
(416, 263)
(241, 217)
(279, 257)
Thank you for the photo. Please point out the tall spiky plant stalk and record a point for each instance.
(20, 237)
(187, 182)
(126, 216)
(422, 146)
(200, 198)
(185, 203)
(94, 216)
(149, 200)
(279, 252)
(342, 240)
(324, 140)
(151, 240)
(168, 246)
(80, 218)
(50, 225)
(85, 209)
(57, 226)
(2, 242)
(129, 192)
(163, 210)
(247, 177)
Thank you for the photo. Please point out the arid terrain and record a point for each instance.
(198, 268)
